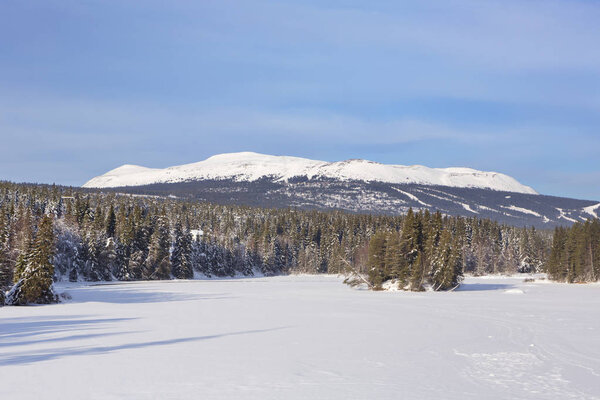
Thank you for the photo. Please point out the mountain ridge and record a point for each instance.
(249, 167)
(357, 186)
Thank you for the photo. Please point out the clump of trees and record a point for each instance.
(575, 254)
(433, 251)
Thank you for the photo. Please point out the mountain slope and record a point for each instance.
(250, 167)
(355, 185)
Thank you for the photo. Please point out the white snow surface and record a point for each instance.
(564, 216)
(468, 208)
(592, 210)
(412, 197)
(248, 166)
(304, 337)
(522, 210)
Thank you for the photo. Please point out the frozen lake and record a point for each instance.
(304, 337)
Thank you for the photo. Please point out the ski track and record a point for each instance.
(412, 197)
(298, 337)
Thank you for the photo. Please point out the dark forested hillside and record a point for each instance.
(575, 255)
(78, 235)
(517, 209)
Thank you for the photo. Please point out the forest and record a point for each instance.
(575, 253)
(52, 233)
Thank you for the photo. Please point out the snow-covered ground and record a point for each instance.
(304, 337)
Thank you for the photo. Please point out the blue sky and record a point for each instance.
(509, 86)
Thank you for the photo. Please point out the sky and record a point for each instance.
(508, 86)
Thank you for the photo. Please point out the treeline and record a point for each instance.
(98, 236)
(575, 255)
(432, 251)
(83, 235)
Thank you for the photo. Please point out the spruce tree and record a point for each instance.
(447, 267)
(135, 267)
(393, 257)
(6, 273)
(376, 259)
(108, 259)
(5, 269)
(417, 276)
(158, 263)
(181, 257)
(35, 283)
(411, 243)
(111, 222)
(22, 261)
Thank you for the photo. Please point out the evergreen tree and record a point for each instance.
(158, 263)
(447, 268)
(417, 277)
(6, 272)
(393, 261)
(181, 257)
(94, 269)
(35, 283)
(111, 222)
(411, 243)
(135, 267)
(108, 259)
(376, 259)
(22, 261)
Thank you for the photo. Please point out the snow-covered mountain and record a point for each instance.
(354, 185)
(250, 167)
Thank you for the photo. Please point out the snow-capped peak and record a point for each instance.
(248, 166)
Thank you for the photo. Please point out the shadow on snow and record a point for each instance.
(18, 358)
(477, 287)
(28, 327)
(128, 294)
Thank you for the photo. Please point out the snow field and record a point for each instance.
(304, 337)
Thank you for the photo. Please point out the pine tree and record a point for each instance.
(6, 273)
(199, 257)
(35, 283)
(111, 222)
(5, 270)
(181, 258)
(158, 263)
(22, 261)
(376, 259)
(135, 267)
(94, 270)
(447, 267)
(411, 244)
(79, 267)
(417, 277)
(554, 267)
(108, 259)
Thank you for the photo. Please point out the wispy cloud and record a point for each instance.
(507, 85)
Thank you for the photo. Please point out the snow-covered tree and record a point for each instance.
(35, 283)
(158, 263)
(181, 257)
